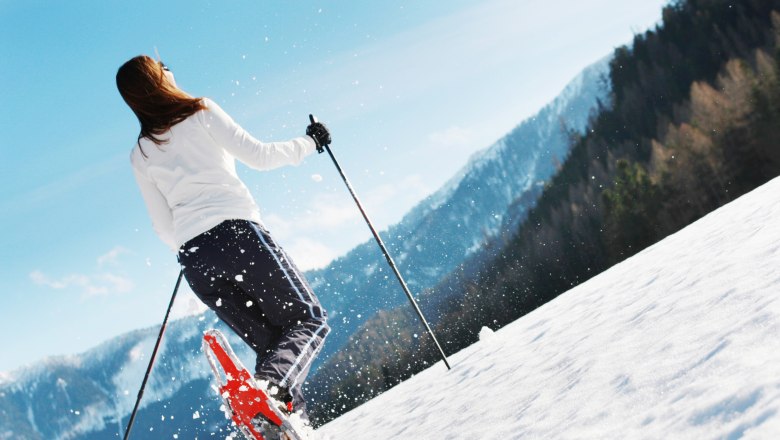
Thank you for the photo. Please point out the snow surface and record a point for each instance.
(679, 341)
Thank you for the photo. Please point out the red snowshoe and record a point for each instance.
(256, 415)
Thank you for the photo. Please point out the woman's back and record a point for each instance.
(195, 172)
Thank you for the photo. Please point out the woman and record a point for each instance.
(184, 162)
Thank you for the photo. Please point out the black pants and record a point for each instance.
(238, 271)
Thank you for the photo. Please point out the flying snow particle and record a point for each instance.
(219, 302)
(193, 249)
(239, 278)
(196, 415)
(316, 178)
(249, 303)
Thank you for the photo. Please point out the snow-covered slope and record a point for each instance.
(680, 341)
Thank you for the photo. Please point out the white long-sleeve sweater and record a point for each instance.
(190, 183)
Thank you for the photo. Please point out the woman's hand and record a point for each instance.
(319, 132)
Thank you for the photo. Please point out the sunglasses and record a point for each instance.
(164, 67)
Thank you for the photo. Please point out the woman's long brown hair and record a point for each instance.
(158, 104)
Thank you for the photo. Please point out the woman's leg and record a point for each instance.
(203, 260)
(289, 303)
(238, 270)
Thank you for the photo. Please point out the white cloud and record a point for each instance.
(452, 137)
(111, 256)
(100, 282)
(187, 304)
(384, 203)
(88, 285)
(279, 227)
(328, 211)
(116, 283)
(332, 225)
(309, 254)
(331, 211)
(39, 278)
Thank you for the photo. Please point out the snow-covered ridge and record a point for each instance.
(35, 369)
(67, 397)
(558, 109)
(679, 341)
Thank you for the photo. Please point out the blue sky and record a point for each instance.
(409, 89)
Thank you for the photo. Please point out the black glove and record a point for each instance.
(319, 132)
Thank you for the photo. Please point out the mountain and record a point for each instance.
(679, 341)
(90, 396)
(456, 221)
(690, 126)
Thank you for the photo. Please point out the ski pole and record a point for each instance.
(384, 251)
(151, 361)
